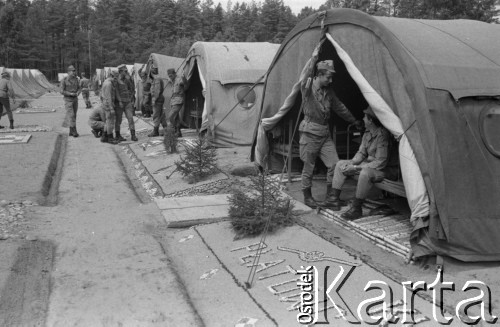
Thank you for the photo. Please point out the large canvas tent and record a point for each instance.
(22, 88)
(42, 80)
(163, 63)
(225, 85)
(435, 85)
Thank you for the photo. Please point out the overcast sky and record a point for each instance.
(295, 5)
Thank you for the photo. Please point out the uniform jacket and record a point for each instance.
(318, 106)
(177, 91)
(6, 88)
(84, 84)
(70, 85)
(157, 88)
(97, 115)
(109, 94)
(374, 149)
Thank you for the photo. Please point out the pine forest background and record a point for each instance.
(49, 35)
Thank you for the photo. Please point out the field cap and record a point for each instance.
(369, 111)
(326, 65)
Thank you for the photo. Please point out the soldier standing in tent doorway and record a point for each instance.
(109, 99)
(85, 86)
(158, 100)
(176, 101)
(6, 92)
(315, 138)
(70, 88)
(125, 90)
(146, 109)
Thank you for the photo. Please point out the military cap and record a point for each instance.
(122, 67)
(5, 74)
(114, 73)
(326, 65)
(71, 67)
(154, 70)
(369, 111)
(170, 71)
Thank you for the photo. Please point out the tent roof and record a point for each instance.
(453, 55)
(234, 62)
(136, 68)
(164, 62)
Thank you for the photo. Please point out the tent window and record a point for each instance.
(246, 96)
(489, 120)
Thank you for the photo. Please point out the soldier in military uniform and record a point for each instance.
(70, 89)
(85, 86)
(6, 92)
(315, 138)
(157, 100)
(97, 121)
(125, 91)
(176, 101)
(370, 163)
(146, 95)
(109, 99)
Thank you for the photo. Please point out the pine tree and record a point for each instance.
(265, 204)
(199, 161)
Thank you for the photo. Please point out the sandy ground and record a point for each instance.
(109, 269)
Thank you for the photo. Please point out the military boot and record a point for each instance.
(75, 133)
(104, 137)
(332, 200)
(356, 210)
(119, 138)
(308, 199)
(95, 132)
(11, 124)
(155, 132)
(132, 135)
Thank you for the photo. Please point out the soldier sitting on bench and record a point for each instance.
(370, 163)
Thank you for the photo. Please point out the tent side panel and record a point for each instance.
(237, 127)
(472, 173)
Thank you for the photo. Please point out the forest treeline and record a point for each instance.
(49, 35)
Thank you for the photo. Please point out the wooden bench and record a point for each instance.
(394, 187)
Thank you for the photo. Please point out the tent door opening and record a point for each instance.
(194, 102)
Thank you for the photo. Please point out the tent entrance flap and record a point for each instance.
(194, 103)
(415, 188)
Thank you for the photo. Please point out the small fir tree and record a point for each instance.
(249, 212)
(199, 161)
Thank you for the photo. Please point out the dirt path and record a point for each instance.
(109, 270)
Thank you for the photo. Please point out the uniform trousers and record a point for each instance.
(128, 109)
(367, 177)
(71, 105)
(159, 115)
(4, 102)
(310, 147)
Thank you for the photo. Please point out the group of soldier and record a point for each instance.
(116, 95)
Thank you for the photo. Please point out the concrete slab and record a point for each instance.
(218, 299)
(14, 139)
(275, 284)
(162, 166)
(194, 216)
(192, 201)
